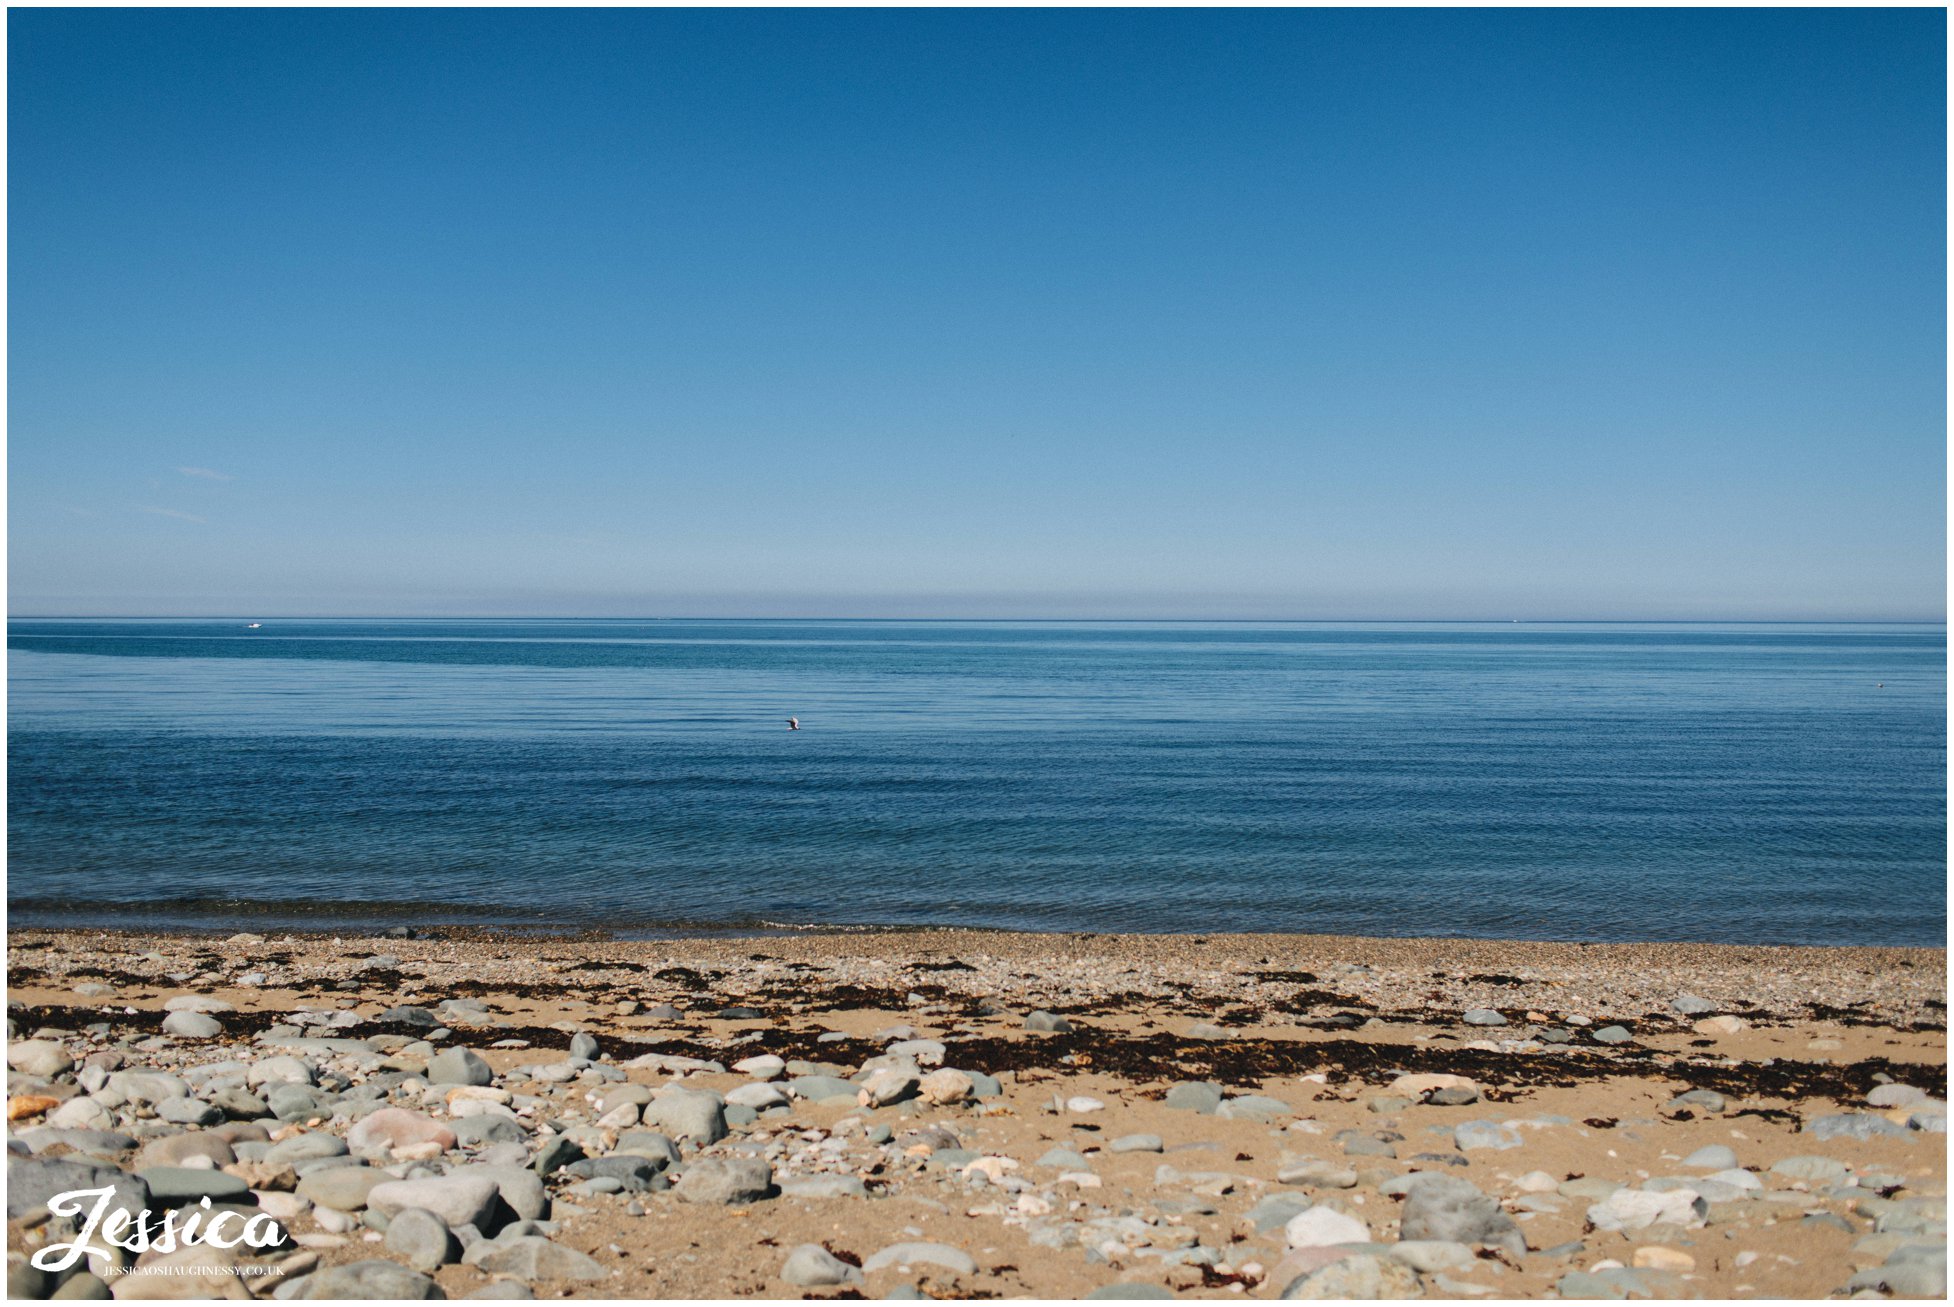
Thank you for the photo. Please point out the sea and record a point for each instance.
(1589, 782)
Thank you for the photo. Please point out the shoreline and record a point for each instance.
(1133, 1115)
(383, 925)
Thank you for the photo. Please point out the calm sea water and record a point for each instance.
(1595, 782)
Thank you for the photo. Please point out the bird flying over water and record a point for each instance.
(793, 723)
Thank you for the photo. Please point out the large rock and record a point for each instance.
(421, 1239)
(1447, 1208)
(457, 1199)
(725, 1180)
(458, 1066)
(535, 1258)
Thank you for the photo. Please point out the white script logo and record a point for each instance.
(135, 1233)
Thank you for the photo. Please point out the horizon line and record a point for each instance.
(1075, 621)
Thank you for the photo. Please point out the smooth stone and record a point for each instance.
(1853, 1125)
(1317, 1173)
(458, 1066)
(1276, 1210)
(1135, 1144)
(1895, 1095)
(690, 1114)
(1638, 1209)
(484, 1128)
(1137, 1291)
(534, 1257)
(647, 1143)
(1822, 1170)
(725, 1181)
(1712, 1157)
(192, 1025)
(180, 1150)
(1253, 1107)
(1452, 1210)
(1612, 1035)
(1472, 1135)
(812, 1266)
(342, 1188)
(421, 1239)
(1321, 1227)
(374, 1280)
(1483, 1016)
(1048, 1023)
(189, 1111)
(1194, 1096)
(38, 1057)
(1692, 1006)
(396, 1127)
(173, 1185)
(823, 1186)
(306, 1147)
(33, 1181)
(457, 1199)
(521, 1189)
(920, 1251)
(1357, 1278)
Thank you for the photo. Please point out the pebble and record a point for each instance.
(1483, 1016)
(1048, 1022)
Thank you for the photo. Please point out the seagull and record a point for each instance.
(793, 723)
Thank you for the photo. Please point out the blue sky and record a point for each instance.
(1287, 313)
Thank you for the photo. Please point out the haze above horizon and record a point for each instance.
(1209, 315)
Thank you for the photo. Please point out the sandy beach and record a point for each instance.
(974, 1114)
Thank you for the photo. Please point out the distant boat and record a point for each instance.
(252, 626)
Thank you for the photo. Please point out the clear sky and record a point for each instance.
(1286, 313)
